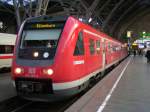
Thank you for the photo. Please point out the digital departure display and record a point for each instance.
(44, 25)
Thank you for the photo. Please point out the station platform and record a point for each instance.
(125, 89)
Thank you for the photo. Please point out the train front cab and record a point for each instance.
(33, 68)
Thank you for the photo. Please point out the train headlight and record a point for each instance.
(48, 71)
(36, 54)
(18, 70)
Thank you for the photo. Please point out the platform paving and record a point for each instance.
(133, 91)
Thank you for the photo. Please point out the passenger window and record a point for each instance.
(91, 46)
(114, 48)
(109, 46)
(2, 49)
(79, 49)
(9, 49)
(98, 46)
(6, 49)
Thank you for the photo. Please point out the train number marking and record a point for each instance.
(31, 70)
(78, 62)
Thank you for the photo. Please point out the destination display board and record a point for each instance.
(44, 25)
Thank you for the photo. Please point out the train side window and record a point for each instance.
(9, 49)
(5, 49)
(91, 46)
(109, 45)
(2, 49)
(98, 46)
(79, 49)
(114, 48)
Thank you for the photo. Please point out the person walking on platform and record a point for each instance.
(147, 55)
(140, 52)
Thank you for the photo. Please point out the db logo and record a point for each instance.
(32, 71)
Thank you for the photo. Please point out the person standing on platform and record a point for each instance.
(134, 52)
(139, 51)
(147, 55)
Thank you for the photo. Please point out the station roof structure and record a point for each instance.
(109, 15)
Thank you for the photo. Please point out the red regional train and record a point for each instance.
(56, 57)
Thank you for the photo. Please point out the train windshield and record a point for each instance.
(40, 38)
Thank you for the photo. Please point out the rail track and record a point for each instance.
(17, 104)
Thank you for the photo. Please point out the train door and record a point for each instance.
(103, 53)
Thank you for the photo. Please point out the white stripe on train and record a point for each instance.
(72, 84)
